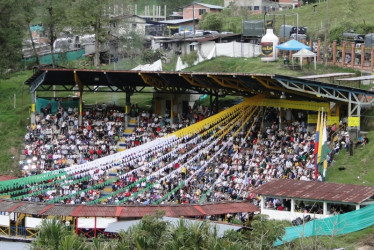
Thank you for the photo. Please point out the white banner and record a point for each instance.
(4, 220)
(103, 222)
(86, 222)
(33, 222)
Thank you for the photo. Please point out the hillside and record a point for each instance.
(346, 13)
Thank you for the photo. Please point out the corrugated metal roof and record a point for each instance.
(187, 210)
(99, 211)
(7, 177)
(232, 207)
(178, 21)
(59, 210)
(5, 205)
(210, 6)
(138, 212)
(322, 191)
(30, 208)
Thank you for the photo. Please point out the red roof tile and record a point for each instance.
(321, 191)
(7, 177)
(98, 211)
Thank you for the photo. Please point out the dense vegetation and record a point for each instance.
(154, 233)
(57, 16)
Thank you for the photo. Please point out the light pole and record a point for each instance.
(265, 22)
(193, 17)
(326, 52)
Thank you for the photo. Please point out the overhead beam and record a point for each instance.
(281, 103)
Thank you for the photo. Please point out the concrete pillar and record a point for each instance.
(216, 104)
(362, 56)
(80, 118)
(325, 212)
(319, 50)
(343, 53)
(211, 103)
(262, 202)
(357, 206)
(334, 52)
(372, 58)
(172, 109)
(353, 54)
(128, 108)
(33, 107)
(292, 205)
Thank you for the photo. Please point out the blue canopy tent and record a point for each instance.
(292, 45)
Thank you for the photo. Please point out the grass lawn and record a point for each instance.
(358, 168)
(347, 241)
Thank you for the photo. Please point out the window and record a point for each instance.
(134, 25)
(249, 7)
(202, 11)
(256, 8)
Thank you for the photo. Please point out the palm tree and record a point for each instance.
(53, 234)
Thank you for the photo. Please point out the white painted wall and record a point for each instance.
(286, 215)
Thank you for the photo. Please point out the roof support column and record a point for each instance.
(353, 55)
(262, 202)
(357, 206)
(292, 205)
(325, 212)
(354, 111)
(127, 108)
(33, 107)
(217, 108)
(211, 103)
(172, 109)
(80, 87)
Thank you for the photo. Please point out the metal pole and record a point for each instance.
(297, 26)
(193, 17)
(284, 28)
(327, 37)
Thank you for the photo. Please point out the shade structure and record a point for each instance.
(305, 53)
(292, 45)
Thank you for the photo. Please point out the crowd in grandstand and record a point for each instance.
(57, 140)
(225, 164)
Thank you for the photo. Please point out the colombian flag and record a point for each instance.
(316, 146)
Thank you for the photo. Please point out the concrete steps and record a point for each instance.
(121, 145)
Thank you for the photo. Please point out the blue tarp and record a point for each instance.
(292, 45)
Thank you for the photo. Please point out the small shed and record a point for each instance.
(305, 53)
(317, 199)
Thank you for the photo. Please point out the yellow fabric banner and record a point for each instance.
(353, 121)
(331, 120)
(312, 119)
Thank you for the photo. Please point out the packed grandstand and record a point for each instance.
(197, 159)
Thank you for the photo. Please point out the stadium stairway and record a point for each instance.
(121, 145)
(107, 190)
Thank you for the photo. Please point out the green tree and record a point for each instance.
(11, 35)
(53, 234)
(132, 45)
(265, 232)
(28, 14)
(212, 21)
(54, 19)
(91, 16)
